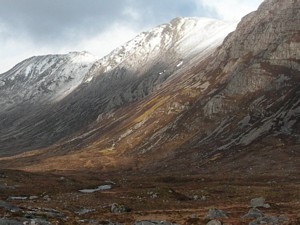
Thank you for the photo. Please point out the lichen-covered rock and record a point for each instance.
(257, 202)
(270, 220)
(216, 213)
(116, 208)
(253, 213)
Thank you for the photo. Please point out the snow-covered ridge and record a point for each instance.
(39, 77)
(52, 77)
(183, 36)
(200, 34)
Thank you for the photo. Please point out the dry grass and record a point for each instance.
(173, 199)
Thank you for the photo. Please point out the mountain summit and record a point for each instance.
(179, 97)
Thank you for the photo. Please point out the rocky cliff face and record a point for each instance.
(260, 73)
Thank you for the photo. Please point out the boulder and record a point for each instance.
(259, 202)
(116, 208)
(270, 220)
(216, 213)
(253, 213)
(214, 222)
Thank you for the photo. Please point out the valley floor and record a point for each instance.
(55, 197)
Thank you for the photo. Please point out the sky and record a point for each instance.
(39, 27)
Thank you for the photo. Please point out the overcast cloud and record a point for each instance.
(35, 27)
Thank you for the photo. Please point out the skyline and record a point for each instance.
(36, 27)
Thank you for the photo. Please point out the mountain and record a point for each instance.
(179, 98)
(46, 98)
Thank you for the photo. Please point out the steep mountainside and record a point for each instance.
(170, 99)
(246, 94)
(47, 98)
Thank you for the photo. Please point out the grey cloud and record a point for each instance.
(48, 20)
(64, 20)
(165, 10)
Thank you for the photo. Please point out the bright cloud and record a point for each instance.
(105, 42)
(231, 9)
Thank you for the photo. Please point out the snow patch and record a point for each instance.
(203, 34)
(179, 64)
(82, 58)
(18, 198)
(88, 80)
(99, 188)
(28, 70)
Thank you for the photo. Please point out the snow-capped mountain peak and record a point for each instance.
(53, 77)
(183, 36)
(49, 77)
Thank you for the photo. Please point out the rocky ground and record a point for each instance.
(97, 198)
